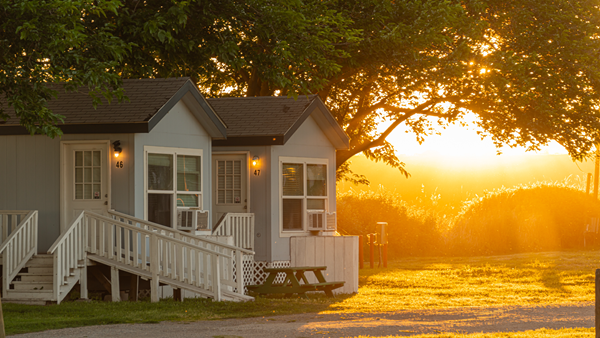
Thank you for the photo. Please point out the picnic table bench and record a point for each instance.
(295, 281)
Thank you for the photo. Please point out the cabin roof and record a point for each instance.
(148, 101)
(272, 120)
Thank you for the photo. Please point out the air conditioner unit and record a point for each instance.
(316, 220)
(331, 221)
(192, 219)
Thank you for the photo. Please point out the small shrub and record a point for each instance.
(411, 231)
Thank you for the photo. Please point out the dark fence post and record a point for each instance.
(597, 303)
(361, 256)
(372, 250)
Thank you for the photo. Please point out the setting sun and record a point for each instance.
(458, 141)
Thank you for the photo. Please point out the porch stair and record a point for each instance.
(34, 283)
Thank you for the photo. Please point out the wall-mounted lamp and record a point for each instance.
(255, 161)
(117, 149)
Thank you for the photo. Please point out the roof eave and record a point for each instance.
(332, 130)
(262, 140)
(210, 121)
(85, 128)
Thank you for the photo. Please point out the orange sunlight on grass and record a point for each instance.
(541, 333)
(521, 279)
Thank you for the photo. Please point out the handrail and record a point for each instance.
(179, 232)
(238, 225)
(65, 234)
(67, 251)
(173, 239)
(183, 261)
(13, 216)
(18, 248)
(13, 234)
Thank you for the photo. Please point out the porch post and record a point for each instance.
(115, 290)
(216, 276)
(239, 271)
(154, 268)
(83, 282)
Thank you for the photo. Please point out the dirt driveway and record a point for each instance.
(400, 323)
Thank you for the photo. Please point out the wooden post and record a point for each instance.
(2, 332)
(177, 295)
(83, 281)
(372, 250)
(115, 290)
(239, 271)
(154, 268)
(384, 255)
(133, 288)
(597, 303)
(216, 276)
(596, 171)
(361, 257)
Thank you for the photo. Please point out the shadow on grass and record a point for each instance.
(20, 318)
(551, 279)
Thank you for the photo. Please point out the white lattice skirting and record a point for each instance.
(254, 273)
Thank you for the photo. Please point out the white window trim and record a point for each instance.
(305, 161)
(174, 152)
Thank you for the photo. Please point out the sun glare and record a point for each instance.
(459, 141)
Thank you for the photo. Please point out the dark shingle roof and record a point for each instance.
(272, 120)
(260, 116)
(140, 113)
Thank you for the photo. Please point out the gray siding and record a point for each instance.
(308, 141)
(179, 129)
(29, 180)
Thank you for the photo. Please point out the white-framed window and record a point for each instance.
(173, 178)
(303, 188)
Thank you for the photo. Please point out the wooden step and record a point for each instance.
(41, 260)
(26, 301)
(40, 270)
(29, 294)
(33, 277)
(31, 286)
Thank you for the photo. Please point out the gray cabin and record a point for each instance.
(166, 191)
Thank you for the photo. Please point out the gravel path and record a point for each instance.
(400, 323)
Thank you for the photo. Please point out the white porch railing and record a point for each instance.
(9, 219)
(153, 251)
(68, 253)
(19, 245)
(238, 225)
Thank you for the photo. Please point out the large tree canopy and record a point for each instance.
(240, 47)
(528, 69)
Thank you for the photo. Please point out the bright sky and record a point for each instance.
(457, 140)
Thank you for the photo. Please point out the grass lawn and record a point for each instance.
(415, 283)
(542, 333)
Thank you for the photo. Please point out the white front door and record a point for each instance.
(230, 177)
(85, 180)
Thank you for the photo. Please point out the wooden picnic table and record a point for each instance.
(295, 281)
